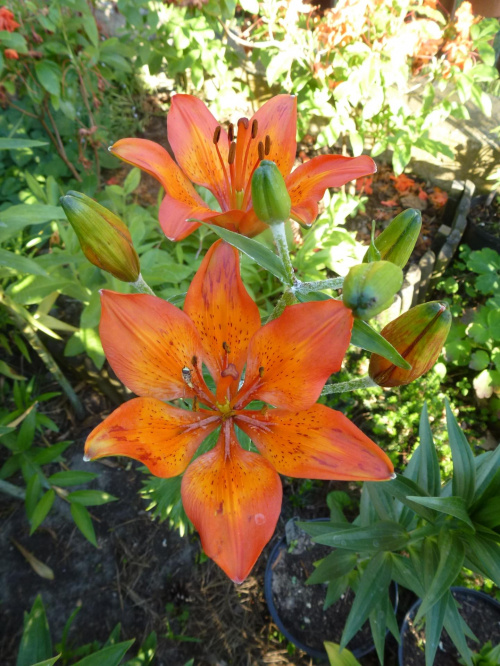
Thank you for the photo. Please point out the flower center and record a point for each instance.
(225, 410)
(238, 186)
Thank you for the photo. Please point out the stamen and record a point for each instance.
(267, 146)
(226, 347)
(261, 371)
(255, 128)
(261, 151)
(230, 132)
(217, 132)
(226, 177)
(232, 153)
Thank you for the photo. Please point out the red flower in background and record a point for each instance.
(7, 21)
(11, 54)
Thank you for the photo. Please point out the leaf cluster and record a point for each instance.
(419, 532)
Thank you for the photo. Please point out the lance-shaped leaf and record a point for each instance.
(402, 488)
(429, 477)
(380, 618)
(372, 585)
(336, 564)
(36, 643)
(451, 558)
(403, 573)
(464, 470)
(487, 474)
(364, 336)
(454, 625)
(484, 556)
(338, 657)
(111, 655)
(255, 250)
(335, 590)
(433, 627)
(384, 535)
(451, 506)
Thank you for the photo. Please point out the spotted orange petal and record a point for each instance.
(223, 312)
(190, 128)
(161, 437)
(277, 119)
(317, 443)
(233, 498)
(307, 184)
(148, 342)
(291, 357)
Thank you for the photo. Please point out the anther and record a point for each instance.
(186, 376)
(255, 127)
(261, 371)
(261, 151)
(267, 145)
(226, 347)
(232, 153)
(194, 361)
(230, 132)
(217, 132)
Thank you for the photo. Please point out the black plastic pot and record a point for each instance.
(268, 591)
(461, 594)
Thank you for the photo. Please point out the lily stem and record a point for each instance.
(353, 385)
(287, 298)
(279, 235)
(319, 285)
(142, 286)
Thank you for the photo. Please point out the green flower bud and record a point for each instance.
(104, 238)
(370, 288)
(418, 335)
(397, 241)
(270, 198)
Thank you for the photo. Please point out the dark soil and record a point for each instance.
(483, 619)
(300, 606)
(486, 214)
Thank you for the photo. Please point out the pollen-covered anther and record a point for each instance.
(261, 151)
(261, 371)
(226, 347)
(255, 128)
(230, 132)
(232, 153)
(217, 132)
(267, 145)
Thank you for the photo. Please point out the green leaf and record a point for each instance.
(13, 40)
(42, 509)
(403, 573)
(338, 563)
(451, 559)
(90, 27)
(484, 556)
(49, 74)
(108, 656)
(401, 488)
(318, 528)
(255, 250)
(33, 490)
(364, 336)
(487, 473)
(48, 662)
(20, 264)
(27, 431)
(15, 218)
(71, 478)
(50, 453)
(84, 522)
(91, 497)
(7, 371)
(384, 535)
(336, 588)
(479, 360)
(14, 144)
(451, 506)
(132, 181)
(381, 500)
(433, 628)
(338, 657)
(36, 643)
(372, 585)
(464, 475)
(453, 625)
(429, 475)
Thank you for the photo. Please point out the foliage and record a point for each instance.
(36, 645)
(419, 532)
(69, 85)
(354, 65)
(475, 334)
(488, 655)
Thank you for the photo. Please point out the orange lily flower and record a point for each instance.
(231, 495)
(224, 161)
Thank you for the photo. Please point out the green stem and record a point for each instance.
(319, 285)
(279, 235)
(353, 385)
(287, 298)
(142, 286)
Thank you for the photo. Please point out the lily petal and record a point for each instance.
(233, 498)
(317, 443)
(291, 357)
(307, 184)
(190, 128)
(222, 311)
(148, 342)
(277, 119)
(161, 437)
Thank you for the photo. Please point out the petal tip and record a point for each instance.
(86, 458)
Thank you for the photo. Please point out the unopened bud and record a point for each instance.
(370, 288)
(270, 198)
(104, 238)
(418, 335)
(396, 242)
